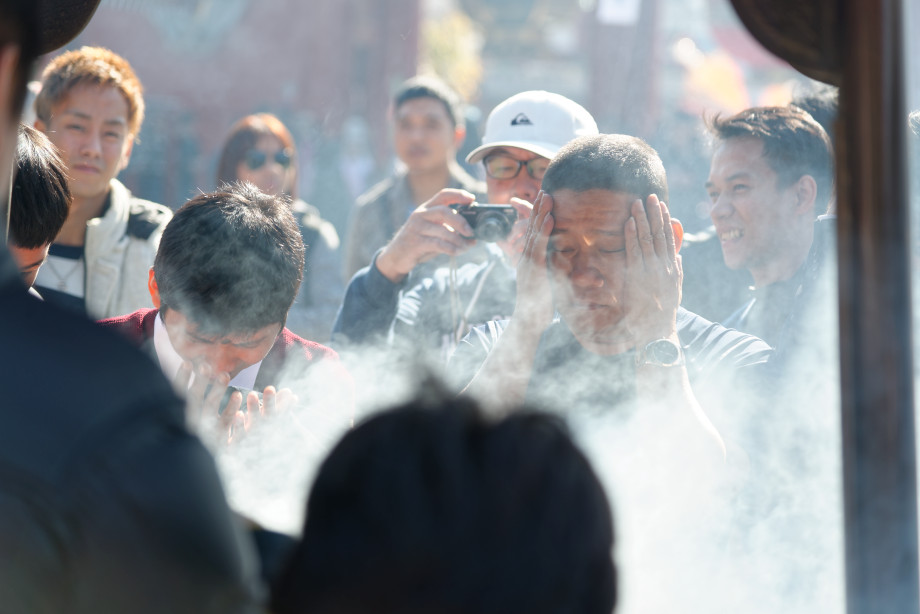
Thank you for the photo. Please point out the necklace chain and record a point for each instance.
(63, 279)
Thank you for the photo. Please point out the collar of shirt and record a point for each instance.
(170, 361)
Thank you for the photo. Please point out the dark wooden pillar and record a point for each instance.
(880, 483)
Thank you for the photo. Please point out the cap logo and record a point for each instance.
(521, 120)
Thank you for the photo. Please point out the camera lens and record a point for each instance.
(492, 227)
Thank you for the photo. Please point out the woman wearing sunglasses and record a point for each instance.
(260, 149)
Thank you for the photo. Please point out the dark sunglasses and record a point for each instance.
(500, 166)
(256, 158)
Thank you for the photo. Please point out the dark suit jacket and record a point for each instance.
(108, 503)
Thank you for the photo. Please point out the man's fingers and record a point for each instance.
(534, 246)
(441, 226)
(268, 401)
(234, 402)
(200, 383)
(654, 210)
(546, 203)
(215, 395)
(438, 217)
(449, 196)
(643, 231)
(669, 238)
(432, 241)
(541, 241)
(524, 209)
(442, 232)
(231, 418)
(253, 406)
(236, 427)
(539, 207)
(253, 409)
(634, 259)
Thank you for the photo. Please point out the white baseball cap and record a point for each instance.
(540, 122)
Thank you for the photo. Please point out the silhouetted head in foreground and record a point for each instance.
(433, 507)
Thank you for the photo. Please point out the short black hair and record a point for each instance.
(231, 260)
(41, 198)
(821, 101)
(613, 162)
(427, 86)
(432, 507)
(794, 144)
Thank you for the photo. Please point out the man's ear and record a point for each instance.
(153, 288)
(806, 193)
(459, 135)
(678, 230)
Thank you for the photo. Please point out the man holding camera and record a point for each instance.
(388, 303)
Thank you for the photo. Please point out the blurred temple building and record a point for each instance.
(327, 68)
(206, 63)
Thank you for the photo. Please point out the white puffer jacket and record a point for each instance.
(119, 251)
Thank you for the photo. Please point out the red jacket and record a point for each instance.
(288, 363)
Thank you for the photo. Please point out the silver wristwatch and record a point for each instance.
(660, 353)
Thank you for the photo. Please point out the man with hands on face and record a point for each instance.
(227, 270)
(389, 302)
(597, 324)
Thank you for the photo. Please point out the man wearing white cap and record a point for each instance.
(387, 303)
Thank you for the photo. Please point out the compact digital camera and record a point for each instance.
(490, 223)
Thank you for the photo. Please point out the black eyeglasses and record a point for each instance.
(256, 158)
(501, 166)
